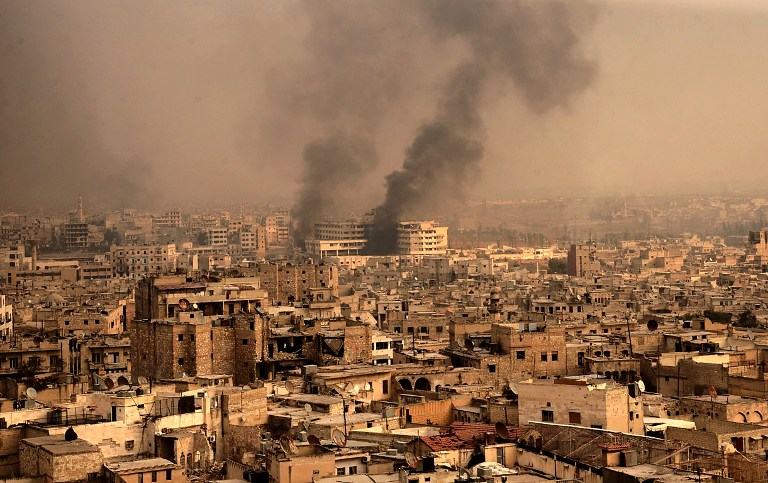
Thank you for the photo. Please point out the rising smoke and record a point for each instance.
(337, 160)
(531, 45)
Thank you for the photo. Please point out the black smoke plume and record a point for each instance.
(331, 164)
(531, 45)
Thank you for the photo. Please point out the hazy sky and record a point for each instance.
(157, 103)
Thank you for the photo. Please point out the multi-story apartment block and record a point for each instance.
(136, 261)
(291, 283)
(217, 237)
(337, 239)
(6, 319)
(251, 239)
(278, 227)
(582, 261)
(192, 344)
(163, 297)
(169, 219)
(422, 238)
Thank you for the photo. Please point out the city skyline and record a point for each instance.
(163, 103)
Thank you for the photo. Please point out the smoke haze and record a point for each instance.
(532, 46)
(159, 103)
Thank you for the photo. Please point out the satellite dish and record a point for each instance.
(502, 431)
(183, 304)
(641, 385)
(287, 444)
(652, 325)
(308, 408)
(411, 460)
(469, 345)
(289, 387)
(313, 440)
(31, 393)
(339, 438)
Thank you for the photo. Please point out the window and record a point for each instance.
(181, 361)
(181, 337)
(491, 368)
(13, 363)
(548, 416)
(543, 357)
(191, 337)
(129, 445)
(574, 418)
(385, 386)
(245, 341)
(168, 474)
(353, 470)
(154, 476)
(554, 356)
(410, 330)
(341, 471)
(141, 477)
(521, 354)
(439, 329)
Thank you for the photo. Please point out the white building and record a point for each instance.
(337, 239)
(422, 238)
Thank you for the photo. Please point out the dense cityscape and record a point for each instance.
(401, 241)
(215, 345)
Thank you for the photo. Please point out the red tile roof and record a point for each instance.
(466, 435)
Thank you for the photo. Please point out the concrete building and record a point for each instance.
(288, 283)
(163, 297)
(6, 319)
(192, 344)
(137, 261)
(217, 236)
(144, 470)
(582, 261)
(421, 238)
(278, 227)
(168, 219)
(251, 240)
(592, 403)
(337, 239)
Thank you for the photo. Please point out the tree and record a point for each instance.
(557, 265)
(718, 317)
(746, 319)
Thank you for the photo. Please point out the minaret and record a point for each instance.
(80, 216)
